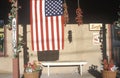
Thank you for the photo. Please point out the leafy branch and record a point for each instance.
(118, 21)
(12, 14)
(20, 44)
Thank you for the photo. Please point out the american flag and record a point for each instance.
(47, 25)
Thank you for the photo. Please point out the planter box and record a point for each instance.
(31, 75)
(109, 74)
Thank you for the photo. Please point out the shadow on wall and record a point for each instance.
(48, 55)
(93, 71)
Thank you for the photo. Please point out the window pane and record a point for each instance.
(2, 38)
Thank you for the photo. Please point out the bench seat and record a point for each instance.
(49, 64)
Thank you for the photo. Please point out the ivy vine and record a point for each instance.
(12, 14)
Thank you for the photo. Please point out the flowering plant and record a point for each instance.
(109, 66)
(33, 67)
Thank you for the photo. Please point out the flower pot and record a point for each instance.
(109, 74)
(31, 75)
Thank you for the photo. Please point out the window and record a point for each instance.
(117, 33)
(2, 39)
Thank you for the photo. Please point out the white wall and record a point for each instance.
(81, 48)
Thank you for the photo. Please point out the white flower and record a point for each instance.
(114, 68)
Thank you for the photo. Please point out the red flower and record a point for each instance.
(31, 67)
(25, 66)
(108, 65)
(10, 0)
(105, 62)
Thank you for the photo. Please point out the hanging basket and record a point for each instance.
(109, 74)
(31, 75)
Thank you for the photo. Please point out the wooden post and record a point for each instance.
(16, 73)
(16, 68)
(104, 43)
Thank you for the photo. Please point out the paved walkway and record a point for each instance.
(67, 75)
(62, 72)
(57, 75)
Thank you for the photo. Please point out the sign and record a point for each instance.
(96, 40)
(95, 26)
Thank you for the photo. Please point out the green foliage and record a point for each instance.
(117, 23)
(20, 44)
(12, 14)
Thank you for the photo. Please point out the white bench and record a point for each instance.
(64, 63)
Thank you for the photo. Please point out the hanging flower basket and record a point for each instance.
(109, 74)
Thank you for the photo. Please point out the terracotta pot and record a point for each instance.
(109, 74)
(31, 75)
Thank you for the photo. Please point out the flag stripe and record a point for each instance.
(47, 32)
(38, 24)
(58, 36)
(55, 34)
(52, 30)
(62, 22)
(47, 35)
(36, 20)
(41, 25)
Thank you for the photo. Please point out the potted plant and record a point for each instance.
(33, 70)
(109, 69)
